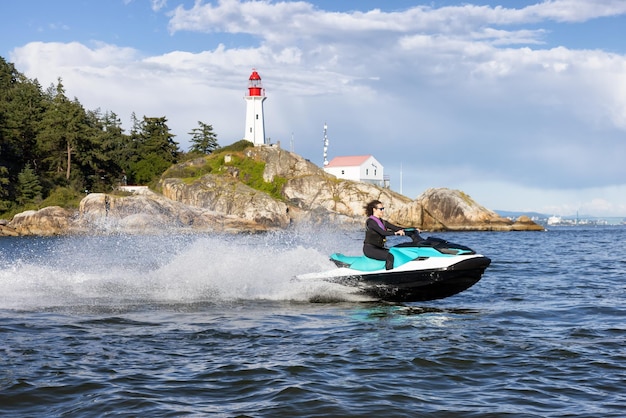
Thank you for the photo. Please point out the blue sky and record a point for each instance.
(522, 106)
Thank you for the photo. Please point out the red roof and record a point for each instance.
(255, 75)
(349, 161)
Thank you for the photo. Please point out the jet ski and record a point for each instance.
(424, 269)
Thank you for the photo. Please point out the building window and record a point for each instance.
(251, 129)
(257, 117)
(374, 172)
(367, 171)
(343, 172)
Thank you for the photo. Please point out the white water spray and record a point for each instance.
(121, 271)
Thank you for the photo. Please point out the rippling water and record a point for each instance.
(204, 325)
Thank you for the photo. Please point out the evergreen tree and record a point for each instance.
(58, 133)
(135, 128)
(20, 110)
(157, 150)
(81, 147)
(73, 146)
(157, 139)
(116, 145)
(5, 203)
(28, 186)
(95, 160)
(203, 138)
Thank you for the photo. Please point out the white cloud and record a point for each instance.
(453, 94)
(573, 10)
(158, 4)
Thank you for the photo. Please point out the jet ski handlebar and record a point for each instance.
(414, 233)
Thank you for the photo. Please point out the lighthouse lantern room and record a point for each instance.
(255, 122)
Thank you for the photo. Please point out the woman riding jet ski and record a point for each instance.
(376, 232)
(423, 269)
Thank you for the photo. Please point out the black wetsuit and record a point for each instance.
(375, 237)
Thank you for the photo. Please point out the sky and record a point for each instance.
(519, 104)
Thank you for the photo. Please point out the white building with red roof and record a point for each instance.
(363, 168)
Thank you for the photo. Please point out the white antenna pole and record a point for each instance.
(325, 145)
(400, 178)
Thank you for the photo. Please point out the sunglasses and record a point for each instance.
(380, 208)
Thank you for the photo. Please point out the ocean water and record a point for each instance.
(206, 325)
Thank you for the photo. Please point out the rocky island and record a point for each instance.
(260, 188)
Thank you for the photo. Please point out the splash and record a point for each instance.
(121, 270)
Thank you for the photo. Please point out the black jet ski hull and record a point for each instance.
(419, 285)
(423, 270)
(416, 281)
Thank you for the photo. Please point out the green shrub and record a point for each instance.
(235, 147)
(64, 197)
(187, 172)
(250, 171)
(251, 174)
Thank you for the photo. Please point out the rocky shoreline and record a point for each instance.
(221, 202)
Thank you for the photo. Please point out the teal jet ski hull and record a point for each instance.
(425, 270)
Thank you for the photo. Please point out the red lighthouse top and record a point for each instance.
(255, 87)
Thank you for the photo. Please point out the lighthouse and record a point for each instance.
(255, 124)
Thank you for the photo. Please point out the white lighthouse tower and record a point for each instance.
(255, 124)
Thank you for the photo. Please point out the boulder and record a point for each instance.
(227, 196)
(6, 230)
(147, 211)
(524, 223)
(444, 209)
(51, 220)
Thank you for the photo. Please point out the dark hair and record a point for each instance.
(369, 208)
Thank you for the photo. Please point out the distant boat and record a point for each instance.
(555, 220)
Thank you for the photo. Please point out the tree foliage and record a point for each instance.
(5, 204)
(28, 187)
(203, 139)
(49, 142)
